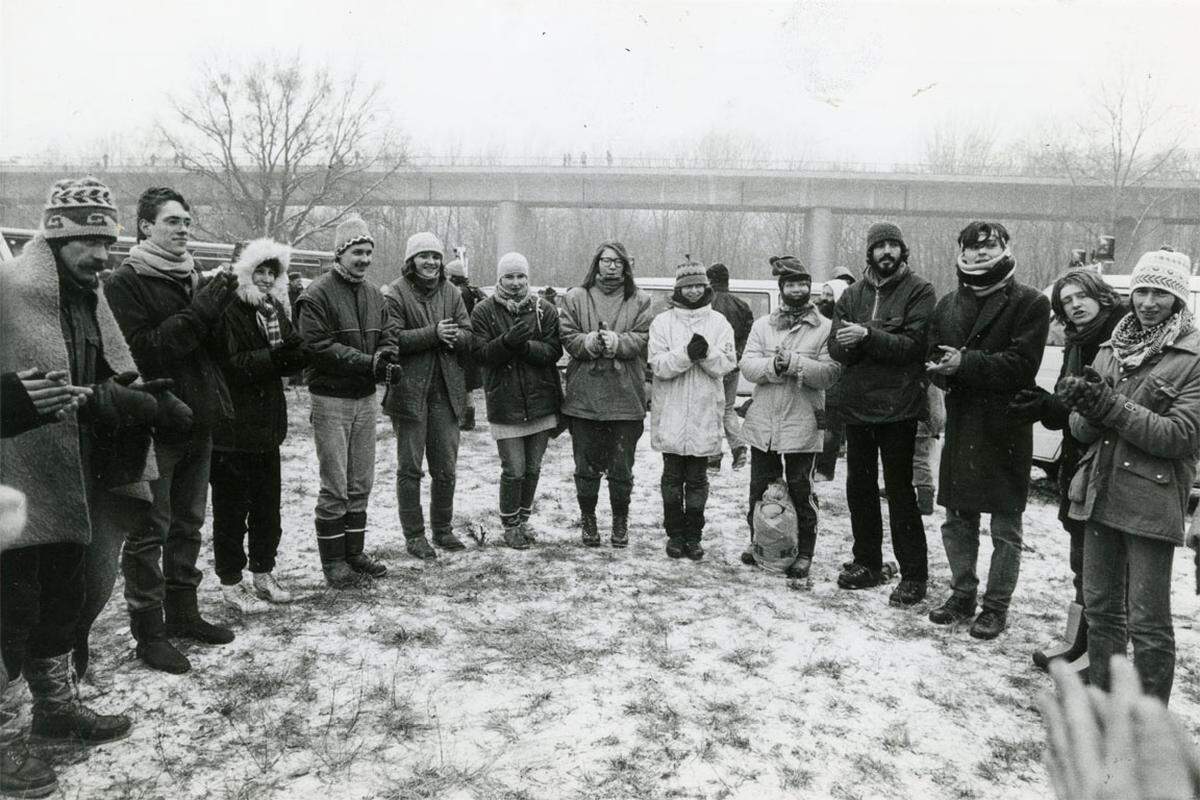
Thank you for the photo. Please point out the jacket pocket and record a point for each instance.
(1152, 469)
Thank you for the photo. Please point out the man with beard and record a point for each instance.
(879, 329)
(985, 344)
(170, 318)
(427, 407)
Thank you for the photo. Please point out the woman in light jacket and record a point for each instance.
(1138, 412)
(787, 359)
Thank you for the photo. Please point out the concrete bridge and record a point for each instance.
(818, 194)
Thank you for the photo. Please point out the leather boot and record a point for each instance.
(590, 530)
(1074, 644)
(331, 545)
(446, 540)
(22, 774)
(620, 529)
(58, 715)
(181, 614)
(356, 559)
(153, 647)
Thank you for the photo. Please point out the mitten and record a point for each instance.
(1029, 405)
(211, 299)
(118, 406)
(594, 343)
(173, 415)
(1097, 396)
(697, 348)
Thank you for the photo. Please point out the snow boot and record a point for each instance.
(356, 531)
(331, 544)
(182, 616)
(590, 529)
(153, 647)
(23, 774)
(446, 540)
(57, 715)
(989, 624)
(1074, 644)
(675, 547)
(620, 530)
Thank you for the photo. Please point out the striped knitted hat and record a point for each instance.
(1163, 269)
(689, 273)
(351, 232)
(78, 208)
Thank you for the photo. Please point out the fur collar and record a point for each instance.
(257, 252)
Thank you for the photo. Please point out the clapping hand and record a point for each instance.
(52, 393)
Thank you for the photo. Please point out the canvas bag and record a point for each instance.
(775, 543)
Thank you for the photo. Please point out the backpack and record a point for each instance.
(775, 542)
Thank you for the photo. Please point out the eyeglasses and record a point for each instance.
(608, 262)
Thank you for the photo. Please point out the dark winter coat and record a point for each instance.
(255, 380)
(884, 376)
(416, 313)
(987, 452)
(1138, 470)
(736, 311)
(471, 297)
(169, 339)
(521, 385)
(343, 325)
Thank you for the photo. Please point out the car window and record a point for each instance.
(759, 302)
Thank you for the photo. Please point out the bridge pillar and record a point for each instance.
(819, 242)
(513, 224)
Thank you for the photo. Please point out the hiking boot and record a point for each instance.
(748, 558)
(956, 609)
(590, 530)
(989, 624)
(363, 564)
(419, 547)
(23, 774)
(693, 550)
(338, 574)
(514, 537)
(448, 541)
(741, 457)
(183, 620)
(856, 576)
(714, 463)
(798, 569)
(620, 531)
(907, 593)
(241, 598)
(266, 587)
(675, 547)
(925, 500)
(153, 649)
(77, 722)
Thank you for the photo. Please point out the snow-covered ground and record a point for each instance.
(569, 672)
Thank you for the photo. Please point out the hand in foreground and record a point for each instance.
(949, 362)
(851, 334)
(52, 393)
(697, 347)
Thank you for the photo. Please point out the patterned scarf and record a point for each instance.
(517, 303)
(988, 277)
(787, 317)
(349, 276)
(147, 254)
(1133, 345)
(268, 322)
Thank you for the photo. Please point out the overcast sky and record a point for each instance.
(820, 80)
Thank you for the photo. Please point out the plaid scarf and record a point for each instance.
(1133, 345)
(268, 322)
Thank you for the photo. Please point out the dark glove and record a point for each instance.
(115, 405)
(211, 299)
(173, 414)
(517, 335)
(289, 358)
(697, 348)
(387, 370)
(1088, 393)
(1029, 405)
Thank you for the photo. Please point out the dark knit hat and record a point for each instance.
(78, 208)
(788, 268)
(690, 273)
(882, 232)
(718, 273)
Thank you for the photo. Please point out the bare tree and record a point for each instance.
(955, 148)
(289, 150)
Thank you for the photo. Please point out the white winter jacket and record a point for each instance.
(688, 397)
(787, 415)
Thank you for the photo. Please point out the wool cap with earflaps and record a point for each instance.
(690, 273)
(1163, 269)
(882, 232)
(511, 263)
(351, 232)
(78, 208)
(423, 242)
(788, 268)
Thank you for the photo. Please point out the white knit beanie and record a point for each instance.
(511, 263)
(1163, 269)
(423, 242)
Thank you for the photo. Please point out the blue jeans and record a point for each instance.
(960, 536)
(344, 432)
(1108, 557)
(160, 550)
(434, 438)
(520, 468)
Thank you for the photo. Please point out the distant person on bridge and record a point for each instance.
(457, 273)
(605, 329)
(879, 334)
(740, 318)
(434, 334)
(985, 346)
(350, 339)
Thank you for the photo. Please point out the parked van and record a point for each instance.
(1047, 444)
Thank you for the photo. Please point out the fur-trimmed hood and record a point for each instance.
(255, 253)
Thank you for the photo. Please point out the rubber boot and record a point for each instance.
(153, 647)
(331, 544)
(1074, 644)
(57, 715)
(356, 531)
